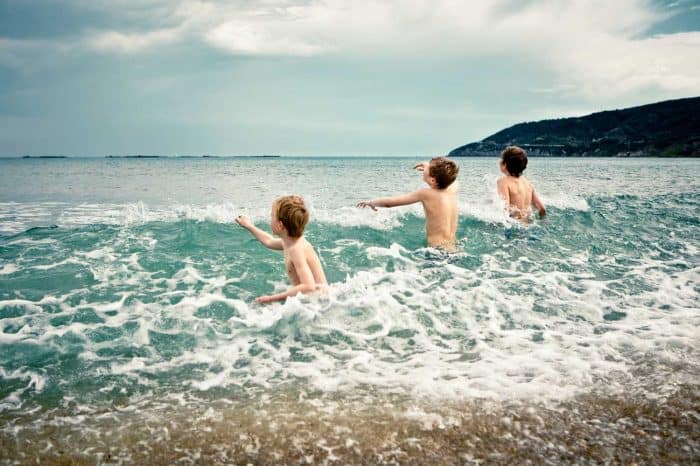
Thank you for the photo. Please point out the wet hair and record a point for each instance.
(443, 170)
(292, 212)
(515, 159)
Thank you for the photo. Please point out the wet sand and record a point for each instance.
(302, 429)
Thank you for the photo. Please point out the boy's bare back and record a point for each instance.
(288, 218)
(441, 214)
(303, 252)
(439, 202)
(516, 190)
(518, 194)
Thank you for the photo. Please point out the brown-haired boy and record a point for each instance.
(439, 201)
(518, 193)
(288, 218)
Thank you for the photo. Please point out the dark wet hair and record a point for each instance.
(515, 159)
(444, 171)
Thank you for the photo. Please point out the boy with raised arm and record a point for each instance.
(288, 218)
(517, 192)
(439, 201)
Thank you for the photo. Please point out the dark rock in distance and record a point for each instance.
(668, 128)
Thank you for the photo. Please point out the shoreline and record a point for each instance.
(298, 428)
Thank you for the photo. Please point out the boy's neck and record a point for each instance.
(289, 241)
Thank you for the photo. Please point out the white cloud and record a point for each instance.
(115, 41)
(597, 50)
(250, 38)
(613, 66)
(596, 47)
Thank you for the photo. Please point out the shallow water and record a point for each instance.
(127, 315)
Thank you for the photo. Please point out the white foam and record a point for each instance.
(8, 269)
(566, 201)
(53, 265)
(350, 216)
(507, 328)
(29, 305)
(487, 209)
(31, 241)
(9, 227)
(135, 364)
(35, 381)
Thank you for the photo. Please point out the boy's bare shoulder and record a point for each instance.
(298, 247)
(528, 182)
(422, 193)
(302, 251)
(308, 248)
(503, 180)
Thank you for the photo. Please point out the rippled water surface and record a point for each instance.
(129, 332)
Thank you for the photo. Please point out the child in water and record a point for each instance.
(517, 192)
(288, 218)
(439, 201)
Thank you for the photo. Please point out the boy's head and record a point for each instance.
(292, 213)
(513, 160)
(443, 171)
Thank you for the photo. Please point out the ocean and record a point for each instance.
(129, 332)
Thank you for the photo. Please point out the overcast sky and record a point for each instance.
(325, 77)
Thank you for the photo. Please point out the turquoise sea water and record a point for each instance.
(127, 303)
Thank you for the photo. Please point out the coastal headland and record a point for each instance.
(664, 129)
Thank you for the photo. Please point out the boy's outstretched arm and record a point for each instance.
(394, 201)
(537, 202)
(306, 280)
(264, 237)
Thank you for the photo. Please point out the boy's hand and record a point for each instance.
(243, 221)
(363, 204)
(421, 166)
(264, 299)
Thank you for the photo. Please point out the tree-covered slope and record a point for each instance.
(669, 128)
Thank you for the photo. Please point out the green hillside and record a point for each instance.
(669, 128)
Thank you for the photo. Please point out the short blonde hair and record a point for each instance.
(292, 212)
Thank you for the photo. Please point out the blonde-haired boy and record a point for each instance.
(288, 219)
